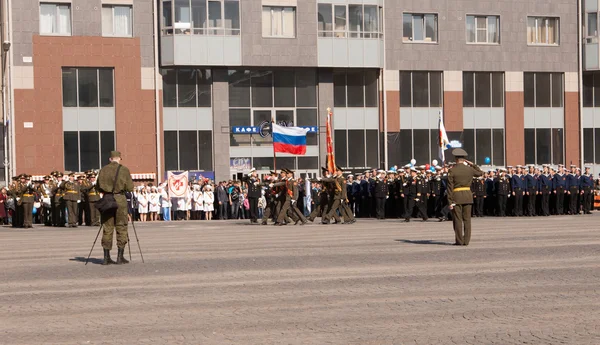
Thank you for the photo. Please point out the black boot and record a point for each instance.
(107, 259)
(120, 259)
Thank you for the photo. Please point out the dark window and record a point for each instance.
(597, 144)
(71, 143)
(482, 90)
(542, 89)
(340, 143)
(435, 89)
(405, 89)
(239, 117)
(260, 117)
(468, 89)
(421, 145)
(306, 88)
(308, 163)
(420, 85)
(557, 146)
(588, 145)
(308, 117)
(105, 77)
(356, 90)
(372, 140)
(394, 151)
(107, 144)
(406, 146)
(588, 90)
(557, 90)
(543, 145)
(596, 90)
(434, 145)
(285, 116)
(284, 88)
(339, 88)
(529, 90)
(266, 163)
(171, 155)
(497, 89)
(239, 88)
(286, 162)
(204, 91)
(88, 87)
(188, 150)
(371, 89)
(69, 81)
(529, 146)
(170, 88)
(483, 148)
(468, 141)
(356, 157)
(498, 147)
(89, 148)
(205, 150)
(186, 95)
(262, 89)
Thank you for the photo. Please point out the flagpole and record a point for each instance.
(274, 153)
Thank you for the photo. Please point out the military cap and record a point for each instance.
(71, 174)
(413, 169)
(273, 172)
(573, 165)
(59, 174)
(401, 171)
(407, 166)
(429, 172)
(338, 168)
(23, 176)
(324, 170)
(391, 172)
(438, 168)
(115, 154)
(422, 167)
(380, 171)
(80, 177)
(15, 178)
(252, 170)
(47, 177)
(459, 153)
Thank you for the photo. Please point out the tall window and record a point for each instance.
(419, 27)
(86, 88)
(350, 21)
(200, 17)
(591, 135)
(117, 21)
(591, 25)
(55, 19)
(483, 89)
(355, 88)
(279, 21)
(483, 29)
(421, 89)
(543, 30)
(543, 89)
(187, 88)
(188, 150)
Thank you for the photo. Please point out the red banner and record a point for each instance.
(330, 156)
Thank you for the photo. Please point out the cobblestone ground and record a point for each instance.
(521, 281)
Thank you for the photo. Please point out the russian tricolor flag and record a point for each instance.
(289, 139)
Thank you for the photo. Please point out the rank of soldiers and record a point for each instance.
(60, 200)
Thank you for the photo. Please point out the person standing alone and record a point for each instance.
(460, 197)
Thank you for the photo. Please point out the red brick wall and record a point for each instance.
(515, 128)
(572, 128)
(453, 111)
(393, 111)
(40, 149)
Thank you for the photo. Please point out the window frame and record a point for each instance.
(198, 149)
(487, 26)
(551, 86)
(410, 39)
(205, 30)
(473, 77)
(272, 20)
(536, 26)
(112, 8)
(412, 89)
(57, 5)
(197, 85)
(97, 88)
(346, 32)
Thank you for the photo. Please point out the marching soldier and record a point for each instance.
(417, 194)
(253, 187)
(14, 191)
(71, 197)
(435, 185)
(380, 193)
(296, 213)
(83, 210)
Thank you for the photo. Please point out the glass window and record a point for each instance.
(371, 89)
(355, 14)
(305, 118)
(356, 157)
(355, 84)
(468, 141)
(204, 88)
(88, 87)
(306, 88)
(339, 88)
(543, 30)
(483, 90)
(171, 153)
(117, 21)
(588, 90)
(325, 17)
(498, 147)
(421, 145)
(420, 86)
(597, 144)
(105, 77)
(205, 150)
(215, 18)
(284, 88)
(529, 92)
(468, 89)
(107, 144)
(530, 146)
(285, 117)
(419, 27)
(71, 145)
(239, 88)
(483, 148)
(405, 146)
(232, 17)
(167, 14)
(340, 21)
(199, 12)
(308, 163)
(262, 89)
(588, 145)
(483, 29)
(405, 89)
(557, 90)
(170, 88)
(596, 90)
(557, 146)
(371, 21)
(340, 147)
(188, 150)
(592, 24)
(69, 83)
(372, 141)
(259, 117)
(435, 89)
(89, 148)
(279, 21)
(286, 162)
(497, 89)
(239, 117)
(542, 89)
(55, 19)
(543, 145)
(186, 84)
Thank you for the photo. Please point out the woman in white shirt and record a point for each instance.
(143, 204)
(154, 207)
(209, 200)
(188, 203)
(197, 202)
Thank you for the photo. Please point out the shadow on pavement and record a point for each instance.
(94, 261)
(430, 242)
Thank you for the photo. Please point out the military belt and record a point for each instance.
(27, 194)
(462, 189)
(72, 191)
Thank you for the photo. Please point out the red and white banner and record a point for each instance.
(178, 184)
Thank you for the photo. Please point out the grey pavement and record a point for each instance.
(521, 281)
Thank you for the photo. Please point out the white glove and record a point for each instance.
(78, 201)
(387, 197)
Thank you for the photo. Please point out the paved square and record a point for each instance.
(526, 280)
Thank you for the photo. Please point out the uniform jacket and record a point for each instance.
(381, 189)
(502, 186)
(459, 177)
(72, 191)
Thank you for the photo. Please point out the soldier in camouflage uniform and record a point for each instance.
(116, 219)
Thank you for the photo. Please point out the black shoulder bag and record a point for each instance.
(108, 202)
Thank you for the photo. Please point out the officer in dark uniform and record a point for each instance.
(479, 196)
(518, 186)
(559, 184)
(545, 189)
(572, 191)
(531, 191)
(435, 186)
(586, 183)
(380, 193)
(253, 187)
(503, 192)
(417, 194)
(270, 196)
(490, 202)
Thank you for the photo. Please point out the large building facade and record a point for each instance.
(194, 84)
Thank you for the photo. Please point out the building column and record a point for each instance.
(325, 101)
(453, 101)
(515, 118)
(572, 120)
(221, 127)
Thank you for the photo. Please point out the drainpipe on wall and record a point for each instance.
(385, 105)
(5, 53)
(580, 77)
(156, 94)
(13, 152)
